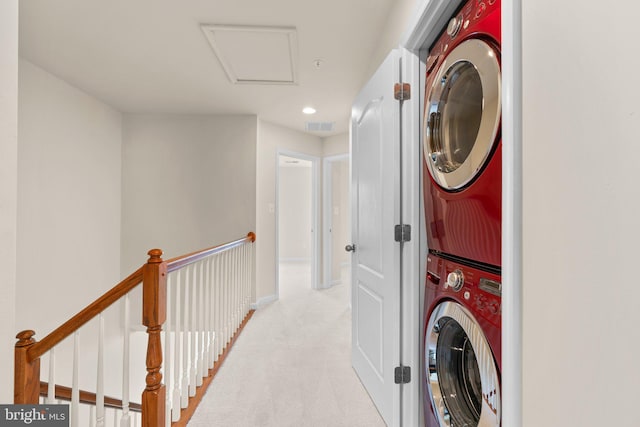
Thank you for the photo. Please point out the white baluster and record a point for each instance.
(125, 420)
(247, 271)
(234, 282)
(217, 334)
(184, 389)
(100, 379)
(243, 281)
(205, 318)
(206, 338)
(232, 292)
(192, 332)
(249, 275)
(236, 299)
(243, 269)
(210, 325)
(229, 297)
(200, 329)
(51, 391)
(167, 355)
(225, 300)
(175, 406)
(75, 391)
(92, 416)
(251, 268)
(238, 287)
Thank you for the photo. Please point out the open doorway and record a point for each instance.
(297, 222)
(336, 221)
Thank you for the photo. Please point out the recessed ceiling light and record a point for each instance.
(309, 110)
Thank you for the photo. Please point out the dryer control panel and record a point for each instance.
(469, 20)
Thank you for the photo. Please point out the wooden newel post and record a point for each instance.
(26, 385)
(154, 314)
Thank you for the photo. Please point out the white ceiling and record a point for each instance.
(151, 56)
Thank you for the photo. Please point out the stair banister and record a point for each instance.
(153, 277)
(154, 314)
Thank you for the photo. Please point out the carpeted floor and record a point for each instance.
(291, 366)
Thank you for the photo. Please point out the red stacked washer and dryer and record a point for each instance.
(462, 196)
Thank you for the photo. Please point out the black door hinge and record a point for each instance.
(402, 91)
(403, 233)
(403, 375)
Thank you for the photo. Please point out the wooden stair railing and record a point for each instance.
(64, 393)
(233, 286)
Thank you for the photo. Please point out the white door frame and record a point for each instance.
(327, 217)
(315, 192)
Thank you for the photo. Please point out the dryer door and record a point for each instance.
(462, 114)
(462, 377)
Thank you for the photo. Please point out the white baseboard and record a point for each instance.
(264, 301)
(295, 260)
(335, 282)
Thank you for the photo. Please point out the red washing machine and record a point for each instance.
(462, 345)
(462, 140)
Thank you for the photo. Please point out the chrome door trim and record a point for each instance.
(491, 412)
(484, 58)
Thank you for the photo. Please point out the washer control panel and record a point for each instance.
(479, 290)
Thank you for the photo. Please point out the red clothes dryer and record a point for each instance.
(462, 140)
(462, 351)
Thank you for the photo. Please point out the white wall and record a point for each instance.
(392, 33)
(8, 190)
(294, 212)
(340, 205)
(270, 138)
(581, 210)
(336, 144)
(68, 200)
(333, 146)
(189, 183)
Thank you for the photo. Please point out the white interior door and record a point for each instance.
(375, 202)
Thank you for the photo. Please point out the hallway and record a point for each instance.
(291, 366)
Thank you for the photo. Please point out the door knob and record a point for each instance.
(350, 248)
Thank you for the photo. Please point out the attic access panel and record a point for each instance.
(255, 54)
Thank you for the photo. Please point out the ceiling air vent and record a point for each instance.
(319, 126)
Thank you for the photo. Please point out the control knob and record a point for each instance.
(455, 280)
(454, 26)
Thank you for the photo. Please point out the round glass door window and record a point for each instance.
(462, 377)
(462, 114)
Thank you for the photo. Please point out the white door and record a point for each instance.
(375, 202)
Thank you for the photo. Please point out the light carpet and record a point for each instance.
(291, 366)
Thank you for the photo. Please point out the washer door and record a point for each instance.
(462, 114)
(462, 377)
